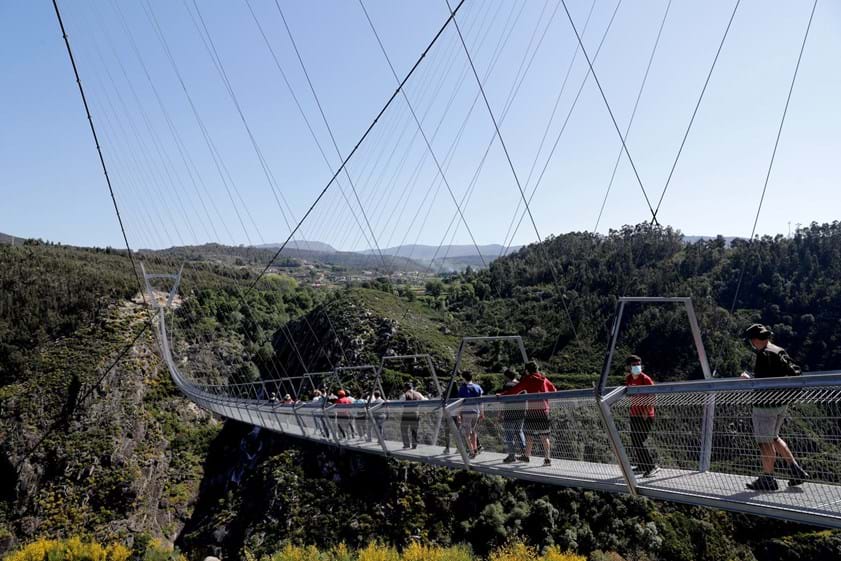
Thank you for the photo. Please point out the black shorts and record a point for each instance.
(537, 423)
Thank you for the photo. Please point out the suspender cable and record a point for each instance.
(563, 127)
(610, 111)
(695, 112)
(270, 178)
(561, 291)
(776, 145)
(330, 132)
(506, 243)
(98, 147)
(359, 143)
(425, 138)
(634, 114)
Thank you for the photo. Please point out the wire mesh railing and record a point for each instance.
(700, 446)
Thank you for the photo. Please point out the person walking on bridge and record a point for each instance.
(537, 423)
(410, 419)
(513, 415)
(642, 418)
(470, 414)
(343, 416)
(768, 416)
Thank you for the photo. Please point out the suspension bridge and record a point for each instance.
(703, 436)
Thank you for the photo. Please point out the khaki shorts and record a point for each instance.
(767, 422)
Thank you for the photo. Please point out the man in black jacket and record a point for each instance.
(768, 416)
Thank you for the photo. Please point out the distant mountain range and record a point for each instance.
(302, 245)
(422, 253)
(428, 252)
(447, 257)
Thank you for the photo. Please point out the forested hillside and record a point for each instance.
(94, 439)
(790, 284)
(118, 455)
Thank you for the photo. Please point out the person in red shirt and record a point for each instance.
(642, 418)
(343, 417)
(537, 422)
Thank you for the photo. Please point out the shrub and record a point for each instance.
(514, 552)
(418, 552)
(295, 553)
(72, 549)
(377, 552)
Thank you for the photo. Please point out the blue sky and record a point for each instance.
(171, 190)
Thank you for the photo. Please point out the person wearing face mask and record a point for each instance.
(768, 416)
(642, 418)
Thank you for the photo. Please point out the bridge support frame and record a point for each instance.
(709, 404)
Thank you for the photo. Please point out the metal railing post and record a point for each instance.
(707, 426)
(460, 444)
(614, 437)
(708, 423)
(608, 357)
(376, 426)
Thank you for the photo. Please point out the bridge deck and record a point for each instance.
(710, 488)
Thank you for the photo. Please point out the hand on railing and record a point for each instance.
(745, 375)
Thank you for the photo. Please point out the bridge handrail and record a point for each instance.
(603, 431)
(823, 379)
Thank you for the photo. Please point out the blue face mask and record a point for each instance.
(636, 369)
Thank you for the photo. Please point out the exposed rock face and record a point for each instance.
(360, 326)
(116, 459)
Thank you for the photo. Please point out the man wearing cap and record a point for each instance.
(768, 416)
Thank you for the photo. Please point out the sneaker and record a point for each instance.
(446, 451)
(638, 470)
(405, 447)
(523, 459)
(509, 459)
(547, 462)
(764, 482)
(471, 455)
(651, 472)
(799, 475)
(414, 446)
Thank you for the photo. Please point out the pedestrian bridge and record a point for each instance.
(702, 437)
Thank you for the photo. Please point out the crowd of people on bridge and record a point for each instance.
(525, 424)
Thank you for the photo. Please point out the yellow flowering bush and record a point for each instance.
(377, 552)
(71, 549)
(420, 552)
(296, 553)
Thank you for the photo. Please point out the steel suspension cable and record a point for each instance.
(196, 178)
(450, 154)
(423, 134)
(297, 102)
(695, 112)
(506, 244)
(561, 291)
(330, 131)
(572, 108)
(98, 147)
(609, 110)
(522, 72)
(634, 114)
(272, 182)
(451, 151)
(220, 168)
(154, 180)
(776, 145)
(359, 142)
(224, 173)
